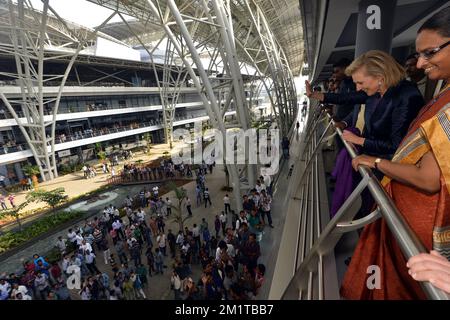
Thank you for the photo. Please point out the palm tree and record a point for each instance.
(180, 194)
(32, 171)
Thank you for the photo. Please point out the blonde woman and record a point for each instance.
(385, 103)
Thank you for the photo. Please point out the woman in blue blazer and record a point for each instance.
(390, 103)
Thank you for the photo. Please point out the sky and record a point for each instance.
(82, 12)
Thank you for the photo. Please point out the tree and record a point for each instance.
(148, 140)
(32, 171)
(101, 155)
(15, 212)
(52, 197)
(98, 147)
(180, 194)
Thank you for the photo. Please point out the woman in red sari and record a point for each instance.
(417, 179)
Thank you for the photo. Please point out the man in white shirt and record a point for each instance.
(5, 286)
(176, 284)
(226, 202)
(224, 247)
(242, 218)
(116, 212)
(206, 197)
(79, 239)
(90, 262)
(161, 239)
(61, 245)
(118, 227)
(155, 191)
(196, 234)
(266, 180)
(22, 296)
(85, 246)
(185, 247)
(168, 207)
(180, 239)
(65, 264)
(223, 222)
(71, 235)
(266, 203)
(140, 216)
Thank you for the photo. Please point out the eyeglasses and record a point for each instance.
(428, 54)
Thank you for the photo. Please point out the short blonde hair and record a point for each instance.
(378, 63)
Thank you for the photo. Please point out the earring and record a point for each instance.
(379, 86)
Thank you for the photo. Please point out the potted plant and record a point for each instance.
(32, 171)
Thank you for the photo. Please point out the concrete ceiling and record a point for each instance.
(330, 27)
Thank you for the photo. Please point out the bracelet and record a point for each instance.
(376, 162)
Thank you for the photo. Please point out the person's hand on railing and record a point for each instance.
(340, 124)
(352, 138)
(329, 111)
(313, 94)
(431, 267)
(363, 160)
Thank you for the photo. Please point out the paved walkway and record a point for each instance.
(271, 241)
(76, 185)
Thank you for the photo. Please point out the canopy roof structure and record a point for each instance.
(283, 17)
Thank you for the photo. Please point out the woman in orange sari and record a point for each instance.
(417, 179)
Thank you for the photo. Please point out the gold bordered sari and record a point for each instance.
(428, 215)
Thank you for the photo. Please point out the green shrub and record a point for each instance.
(10, 239)
(13, 188)
(77, 167)
(64, 169)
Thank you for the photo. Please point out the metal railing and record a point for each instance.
(91, 133)
(315, 243)
(144, 177)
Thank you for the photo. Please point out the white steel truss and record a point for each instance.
(30, 38)
(209, 43)
(220, 32)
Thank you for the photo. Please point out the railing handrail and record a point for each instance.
(407, 240)
(404, 235)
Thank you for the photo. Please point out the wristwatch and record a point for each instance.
(376, 162)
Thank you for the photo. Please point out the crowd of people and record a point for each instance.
(166, 170)
(133, 244)
(397, 118)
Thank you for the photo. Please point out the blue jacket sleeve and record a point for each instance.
(402, 116)
(345, 98)
(349, 118)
